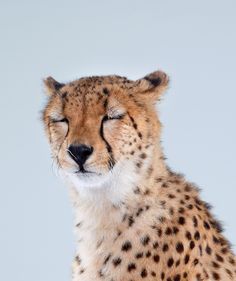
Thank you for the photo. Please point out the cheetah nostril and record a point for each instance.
(80, 153)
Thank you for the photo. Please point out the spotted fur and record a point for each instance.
(134, 218)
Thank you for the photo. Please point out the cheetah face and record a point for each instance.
(98, 125)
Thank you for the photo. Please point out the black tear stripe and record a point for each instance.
(111, 161)
(135, 126)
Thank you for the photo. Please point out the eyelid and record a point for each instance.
(60, 120)
(117, 116)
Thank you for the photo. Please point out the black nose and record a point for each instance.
(80, 153)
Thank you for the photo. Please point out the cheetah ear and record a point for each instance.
(52, 85)
(153, 84)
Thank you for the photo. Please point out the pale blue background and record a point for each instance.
(193, 41)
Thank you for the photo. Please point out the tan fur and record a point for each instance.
(134, 218)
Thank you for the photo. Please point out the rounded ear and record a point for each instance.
(52, 85)
(153, 84)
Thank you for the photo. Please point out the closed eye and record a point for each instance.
(115, 117)
(63, 120)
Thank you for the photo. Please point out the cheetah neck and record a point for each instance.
(103, 213)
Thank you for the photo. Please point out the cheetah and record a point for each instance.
(134, 218)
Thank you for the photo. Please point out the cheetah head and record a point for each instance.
(102, 126)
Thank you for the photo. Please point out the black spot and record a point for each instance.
(116, 261)
(140, 210)
(215, 240)
(131, 220)
(224, 250)
(143, 155)
(126, 246)
(165, 248)
(231, 260)
(170, 262)
(156, 258)
(177, 277)
(159, 232)
(143, 273)
(181, 210)
(229, 272)
(177, 263)
(181, 220)
(146, 192)
(200, 249)
(139, 255)
(145, 240)
(206, 225)
(215, 264)
(155, 245)
(105, 91)
(107, 259)
(164, 184)
(188, 235)
(197, 235)
(179, 247)
(186, 259)
(195, 221)
(215, 275)
(131, 267)
(219, 258)
(78, 260)
(208, 250)
(148, 254)
(191, 245)
(187, 197)
(198, 276)
(190, 206)
(175, 230)
(168, 231)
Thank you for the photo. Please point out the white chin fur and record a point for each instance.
(113, 185)
(91, 181)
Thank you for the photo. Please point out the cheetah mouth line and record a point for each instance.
(86, 172)
(83, 171)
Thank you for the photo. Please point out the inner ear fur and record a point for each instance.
(52, 85)
(153, 84)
